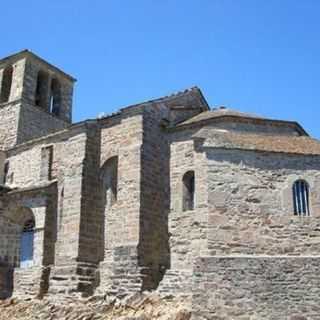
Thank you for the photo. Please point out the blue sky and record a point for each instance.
(253, 55)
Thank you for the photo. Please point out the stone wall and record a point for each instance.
(18, 207)
(31, 282)
(6, 281)
(260, 182)
(251, 203)
(35, 123)
(256, 288)
(155, 194)
(243, 205)
(92, 218)
(121, 137)
(70, 150)
(22, 122)
(248, 126)
(266, 234)
(9, 242)
(9, 115)
(187, 229)
(183, 105)
(137, 223)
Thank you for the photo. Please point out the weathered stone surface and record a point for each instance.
(114, 215)
(256, 288)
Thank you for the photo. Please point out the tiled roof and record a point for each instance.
(265, 143)
(217, 113)
(223, 112)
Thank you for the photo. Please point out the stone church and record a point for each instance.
(217, 205)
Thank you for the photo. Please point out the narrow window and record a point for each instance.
(26, 245)
(55, 97)
(188, 191)
(301, 202)
(61, 208)
(46, 163)
(6, 84)
(6, 171)
(42, 90)
(110, 180)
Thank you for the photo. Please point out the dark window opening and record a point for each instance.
(301, 201)
(6, 171)
(55, 97)
(188, 191)
(61, 208)
(27, 243)
(110, 180)
(6, 84)
(42, 90)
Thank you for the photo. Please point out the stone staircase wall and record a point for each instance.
(31, 281)
(80, 277)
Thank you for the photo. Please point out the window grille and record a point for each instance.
(301, 201)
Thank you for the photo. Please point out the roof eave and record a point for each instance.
(301, 130)
(309, 154)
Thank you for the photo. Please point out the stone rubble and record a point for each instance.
(135, 307)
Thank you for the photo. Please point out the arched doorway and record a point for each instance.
(21, 234)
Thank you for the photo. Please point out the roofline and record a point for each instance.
(82, 125)
(201, 122)
(29, 53)
(202, 97)
(264, 151)
(201, 141)
(165, 98)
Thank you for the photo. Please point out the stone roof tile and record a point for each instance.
(223, 112)
(265, 143)
(216, 113)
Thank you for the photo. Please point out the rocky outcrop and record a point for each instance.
(134, 307)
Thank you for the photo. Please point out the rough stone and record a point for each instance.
(107, 201)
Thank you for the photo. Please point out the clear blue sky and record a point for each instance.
(260, 56)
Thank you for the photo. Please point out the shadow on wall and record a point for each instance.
(6, 281)
(154, 251)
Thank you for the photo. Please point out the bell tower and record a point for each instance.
(35, 98)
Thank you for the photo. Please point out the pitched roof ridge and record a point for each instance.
(160, 99)
(170, 96)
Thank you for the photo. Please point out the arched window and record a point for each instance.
(6, 84)
(301, 202)
(26, 245)
(42, 90)
(110, 180)
(188, 191)
(55, 97)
